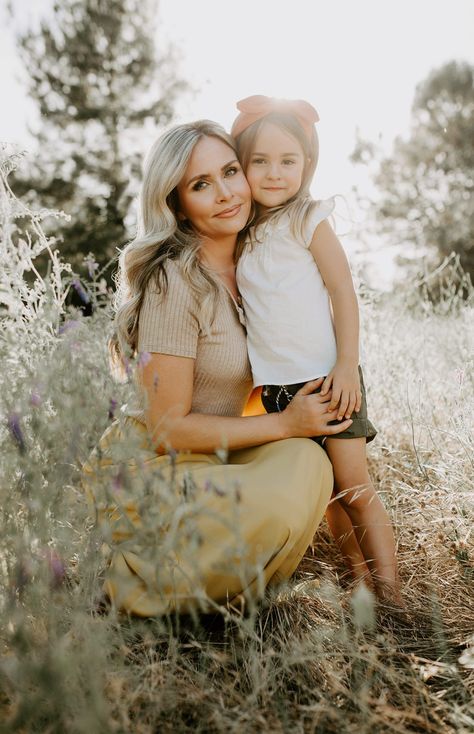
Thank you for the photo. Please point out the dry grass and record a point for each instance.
(309, 659)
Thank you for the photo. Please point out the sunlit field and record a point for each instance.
(314, 655)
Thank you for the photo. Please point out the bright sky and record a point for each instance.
(357, 61)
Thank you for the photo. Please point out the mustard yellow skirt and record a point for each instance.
(191, 532)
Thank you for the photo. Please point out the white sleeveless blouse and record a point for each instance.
(290, 332)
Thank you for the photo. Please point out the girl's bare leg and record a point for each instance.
(369, 517)
(343, 533)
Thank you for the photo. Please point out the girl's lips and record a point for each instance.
(227, 213)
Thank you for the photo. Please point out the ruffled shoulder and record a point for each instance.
(322, 210)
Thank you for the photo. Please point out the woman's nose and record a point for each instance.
(223, 191)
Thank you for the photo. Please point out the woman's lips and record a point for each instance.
(227, 213)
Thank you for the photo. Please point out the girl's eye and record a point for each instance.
(231, 171)
(258, 161)
(288, 162)
(199, 185)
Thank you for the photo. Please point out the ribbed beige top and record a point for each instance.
(169, 324)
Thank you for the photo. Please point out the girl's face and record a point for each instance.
(276, 166)
(214, 194)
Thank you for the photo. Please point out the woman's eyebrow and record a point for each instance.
(208, 175)
(283, 155)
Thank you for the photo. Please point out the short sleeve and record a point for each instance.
(168, 321)
(321, 211)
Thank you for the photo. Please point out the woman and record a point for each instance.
(199, 505)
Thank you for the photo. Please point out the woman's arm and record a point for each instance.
(168, 385)
(335, 272)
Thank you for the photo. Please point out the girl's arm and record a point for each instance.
(334, 268)
(168, 385)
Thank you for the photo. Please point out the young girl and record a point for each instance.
(302, 318)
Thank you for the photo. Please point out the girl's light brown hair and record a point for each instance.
(300, 205)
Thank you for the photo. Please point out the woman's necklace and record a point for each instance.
(231, 285)
(227, 278)
(227, 273)
(230, 269)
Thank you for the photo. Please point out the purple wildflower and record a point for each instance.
(67, 326)
(92, 266)
(80, 290)
(112, 407)
(16, 432)
(128, 367)
(57, 568)
(119, 479)
(143, 359)
(35, 398)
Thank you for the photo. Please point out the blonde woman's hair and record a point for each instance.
(300, 206)
(162, 236)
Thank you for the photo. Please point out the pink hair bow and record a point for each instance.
(258, 106)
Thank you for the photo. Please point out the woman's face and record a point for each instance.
(214, 194)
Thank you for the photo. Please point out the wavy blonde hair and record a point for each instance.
(162, 236)
(300, 206)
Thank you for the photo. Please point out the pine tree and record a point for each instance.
(102, 91)
(426, 185)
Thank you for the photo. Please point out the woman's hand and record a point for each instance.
(344, 382)
(309, 413)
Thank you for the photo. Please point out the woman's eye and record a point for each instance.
(199, 185)
(288, 162)
(231, 171)
(258, 161)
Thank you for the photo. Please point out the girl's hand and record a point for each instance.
(308, 413)
(345, 384)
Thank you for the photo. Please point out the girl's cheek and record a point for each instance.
(251, 183)
(244, 184)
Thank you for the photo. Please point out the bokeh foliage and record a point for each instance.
(425, 187)
(102, 89)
